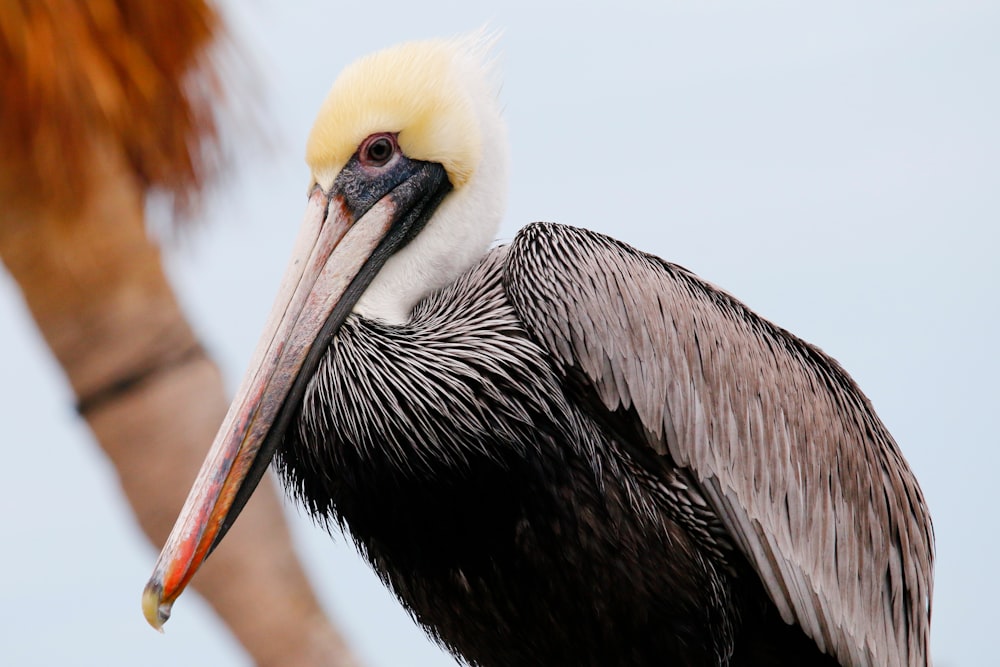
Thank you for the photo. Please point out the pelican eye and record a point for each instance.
(377, 150)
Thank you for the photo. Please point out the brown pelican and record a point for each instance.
(562, 451)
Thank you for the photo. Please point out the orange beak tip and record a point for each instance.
(153, 608)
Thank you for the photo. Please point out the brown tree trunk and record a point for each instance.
(96, 288)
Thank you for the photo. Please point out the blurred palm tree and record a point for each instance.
(105, 101)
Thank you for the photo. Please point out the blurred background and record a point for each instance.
(835, 166)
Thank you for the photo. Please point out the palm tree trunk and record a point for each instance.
(153, 399)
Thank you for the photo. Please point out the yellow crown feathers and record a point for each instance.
(420, 90)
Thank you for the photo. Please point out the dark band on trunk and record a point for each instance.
(116, 389)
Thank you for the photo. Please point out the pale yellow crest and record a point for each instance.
(425, 91)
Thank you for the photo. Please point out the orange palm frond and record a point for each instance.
(131, 74)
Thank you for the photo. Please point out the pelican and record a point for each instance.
(561, 451)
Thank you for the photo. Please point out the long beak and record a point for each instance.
(330, 253)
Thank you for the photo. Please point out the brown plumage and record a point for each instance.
(787, 449)
(680, 480)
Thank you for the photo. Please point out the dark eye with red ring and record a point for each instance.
(377, 150)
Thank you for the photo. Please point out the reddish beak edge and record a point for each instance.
(330, 251)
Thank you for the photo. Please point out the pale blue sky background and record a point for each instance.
(835, 165)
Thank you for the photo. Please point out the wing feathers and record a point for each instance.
(785, 447)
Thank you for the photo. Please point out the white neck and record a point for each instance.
(454, 239)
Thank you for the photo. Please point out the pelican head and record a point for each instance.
(408, 178)
(420, 106)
